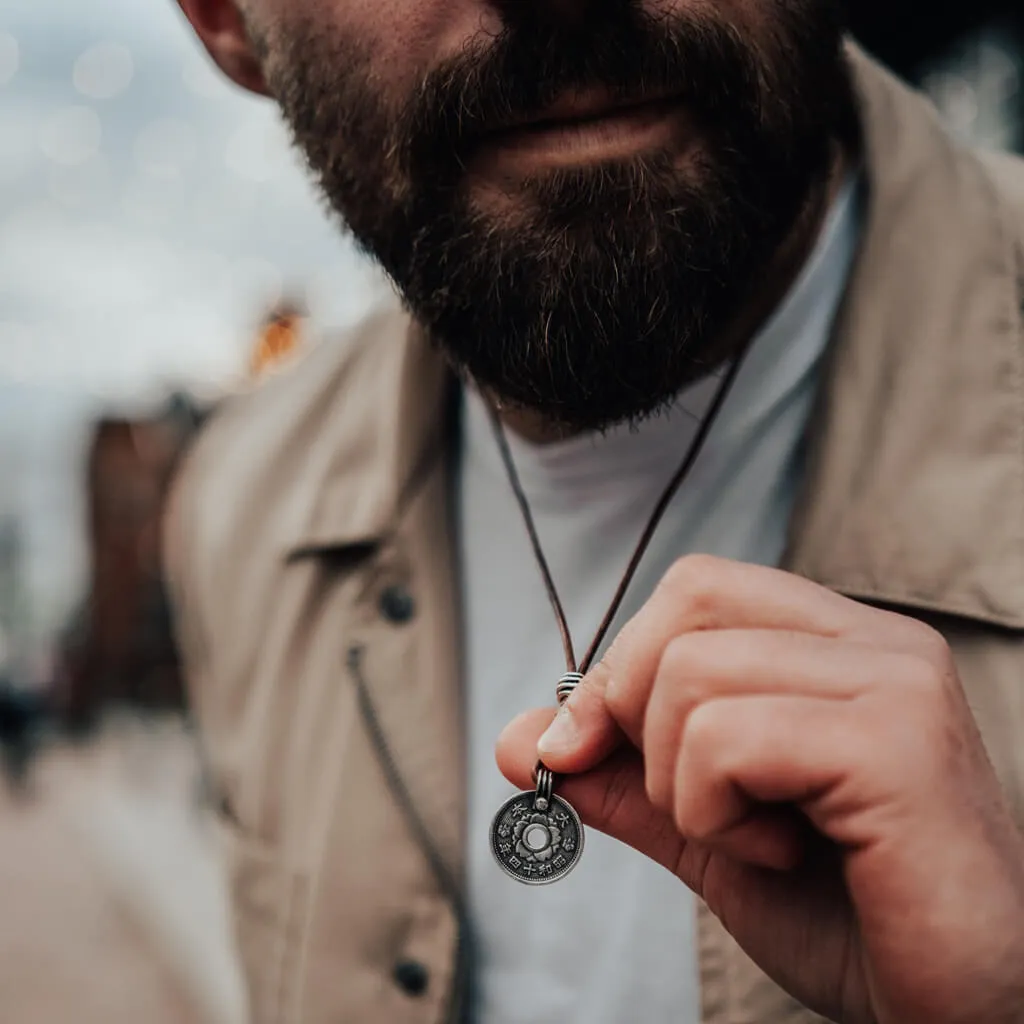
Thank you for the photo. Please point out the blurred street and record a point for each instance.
(112, 894)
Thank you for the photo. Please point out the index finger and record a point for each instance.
(699, 592)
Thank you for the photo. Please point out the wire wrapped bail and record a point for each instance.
(545, 787)
(567, 686)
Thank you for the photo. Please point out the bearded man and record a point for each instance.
(637, 241)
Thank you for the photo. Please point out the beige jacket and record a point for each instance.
(311, 550)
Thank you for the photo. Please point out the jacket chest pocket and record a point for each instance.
(269, 904)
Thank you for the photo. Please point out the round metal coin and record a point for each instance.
(535, 846)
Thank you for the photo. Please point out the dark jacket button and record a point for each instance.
(397, 605)
(411, 977)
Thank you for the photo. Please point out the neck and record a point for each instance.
(784, 269)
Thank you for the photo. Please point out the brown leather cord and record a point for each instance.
(531, 529)
(690, 457)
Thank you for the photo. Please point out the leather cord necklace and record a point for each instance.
(537, 837)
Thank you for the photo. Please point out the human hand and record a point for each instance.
(809, 766)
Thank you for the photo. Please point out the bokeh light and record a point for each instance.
(71, 135)
(10, 57)
(166, 148)
(104, 71)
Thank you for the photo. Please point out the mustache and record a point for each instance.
(621, 50)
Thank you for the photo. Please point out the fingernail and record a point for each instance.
(562, 737)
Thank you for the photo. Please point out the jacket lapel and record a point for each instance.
(915, 477)
(376, 497)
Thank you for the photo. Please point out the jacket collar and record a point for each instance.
(382, 423)
(915, 481)
(914, 489)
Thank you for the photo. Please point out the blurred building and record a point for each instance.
(12, 595)
(119, 648)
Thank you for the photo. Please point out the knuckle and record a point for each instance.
(702, 832)
(692, 583)
(922, 677)
(930, 644)
(685, 661)
(618, 697)
(701, 762)
(658, 786)
(703, 737)
(687, 675)
(595, 682)
(689, 821)
(593, 689)
(693, 819)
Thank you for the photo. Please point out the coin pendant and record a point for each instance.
(537, 846)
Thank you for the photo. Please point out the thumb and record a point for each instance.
(611, 798)
(583, 732)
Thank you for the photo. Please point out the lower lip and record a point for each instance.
(620, 134)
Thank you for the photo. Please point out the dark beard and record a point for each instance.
(612, 286)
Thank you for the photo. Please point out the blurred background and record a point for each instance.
(160, 249)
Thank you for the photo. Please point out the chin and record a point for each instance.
(617, 198)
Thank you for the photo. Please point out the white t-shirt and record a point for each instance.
(616, 940)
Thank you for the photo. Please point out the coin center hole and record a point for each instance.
(537, 838)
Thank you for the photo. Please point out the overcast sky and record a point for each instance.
(149, 214)
(150, 210)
